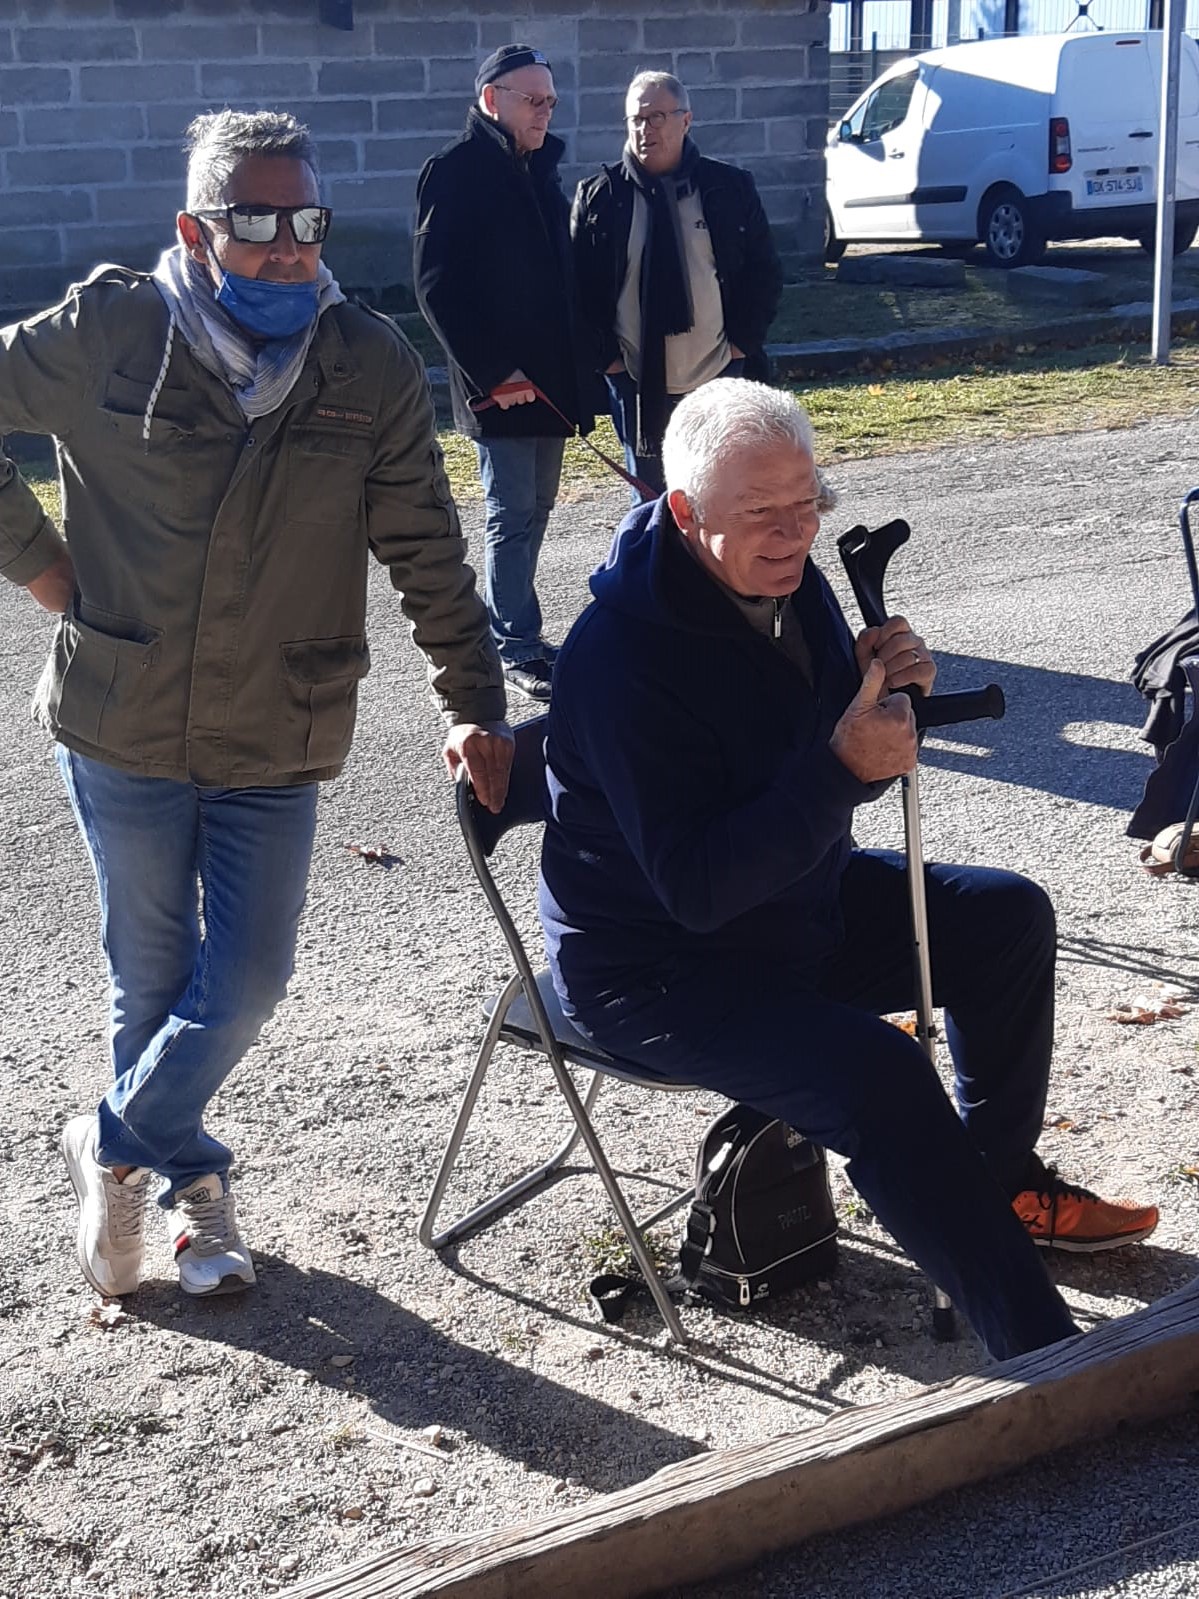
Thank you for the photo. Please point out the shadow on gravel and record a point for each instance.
(1150, 961)
(412, 1375)
(1145, 1272)
(851, 1319)
(1044, 741)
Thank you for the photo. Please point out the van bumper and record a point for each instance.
(1057, 217)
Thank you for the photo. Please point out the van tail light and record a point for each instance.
(1060, 159)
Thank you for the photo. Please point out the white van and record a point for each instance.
(1012, 142)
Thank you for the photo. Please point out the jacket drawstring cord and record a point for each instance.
(158, 383)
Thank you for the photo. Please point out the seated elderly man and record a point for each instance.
(707, 916)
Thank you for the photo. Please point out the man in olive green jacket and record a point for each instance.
(234, 439)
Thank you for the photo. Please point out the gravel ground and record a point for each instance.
(232, 1447)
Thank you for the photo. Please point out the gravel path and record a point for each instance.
(231, 1447)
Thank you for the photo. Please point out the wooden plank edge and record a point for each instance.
(727, 1508)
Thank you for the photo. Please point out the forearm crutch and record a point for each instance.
(865, 555)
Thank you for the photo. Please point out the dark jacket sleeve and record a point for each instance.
(449, 275)
(663, 770)
(591, 225)
(753, 296)
(45, 376)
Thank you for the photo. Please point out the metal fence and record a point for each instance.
(868, 36)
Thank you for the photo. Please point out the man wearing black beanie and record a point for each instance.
(494, 277)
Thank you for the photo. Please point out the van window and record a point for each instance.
(885, 109)
(1107, 80)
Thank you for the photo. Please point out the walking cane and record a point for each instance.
(864, 555)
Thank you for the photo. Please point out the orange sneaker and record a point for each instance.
(1061, 1215)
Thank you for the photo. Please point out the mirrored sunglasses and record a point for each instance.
(259, 224)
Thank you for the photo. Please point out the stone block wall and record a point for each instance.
(95, 94)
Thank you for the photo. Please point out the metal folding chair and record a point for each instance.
(527, 1014)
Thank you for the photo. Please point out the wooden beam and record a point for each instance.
(726, 1509)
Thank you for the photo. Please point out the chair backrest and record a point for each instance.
(526, 801)
(482, 831)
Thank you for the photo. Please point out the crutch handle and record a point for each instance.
(943, 710)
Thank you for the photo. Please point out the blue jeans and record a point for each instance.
(520, 484)
(186, 1003)
(622, 394)
(811, 1050)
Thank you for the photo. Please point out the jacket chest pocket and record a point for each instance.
(326, 476)
(320, 701)
(156, 431)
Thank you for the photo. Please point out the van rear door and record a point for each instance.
(1186, 185)
(1106, 92)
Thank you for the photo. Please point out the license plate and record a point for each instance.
(1133, 184)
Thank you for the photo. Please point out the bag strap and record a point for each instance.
(701, 1224)
(614, 1292)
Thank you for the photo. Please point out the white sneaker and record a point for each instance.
(209, 1251)
(110, 1243)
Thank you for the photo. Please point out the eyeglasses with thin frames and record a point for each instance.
(538, 101)
(655, 119)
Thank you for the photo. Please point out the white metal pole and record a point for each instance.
(1167, 168)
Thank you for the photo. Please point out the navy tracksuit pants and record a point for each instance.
(812, 1051)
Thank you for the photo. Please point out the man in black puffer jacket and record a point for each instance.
(493, 275)
(678, 273)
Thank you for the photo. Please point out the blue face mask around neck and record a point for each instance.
(268, 310)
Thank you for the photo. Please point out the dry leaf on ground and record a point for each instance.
(1143, 1012)
(374, 854)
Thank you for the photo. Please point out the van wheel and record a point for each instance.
(1184, 237)
(834, 248)
(1006, 229)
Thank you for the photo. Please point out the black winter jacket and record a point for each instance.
(747, 263)
(493, 275)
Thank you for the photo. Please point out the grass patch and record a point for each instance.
(1063, 391)
(46, 489)
(817, 306)
(608, 1251)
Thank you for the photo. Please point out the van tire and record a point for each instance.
(1006, 228)
(834, 248)
(1184, 237)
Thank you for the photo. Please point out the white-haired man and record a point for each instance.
(235, 441)
(493, 276)
(678, 273)
(713, 727)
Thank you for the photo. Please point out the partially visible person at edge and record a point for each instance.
(678, 273)
(235, 439)
(493, 276)
(709, 918)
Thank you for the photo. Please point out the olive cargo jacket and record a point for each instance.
(218, 629)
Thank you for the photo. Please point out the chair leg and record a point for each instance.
(579, 1110)
(523, 1186)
